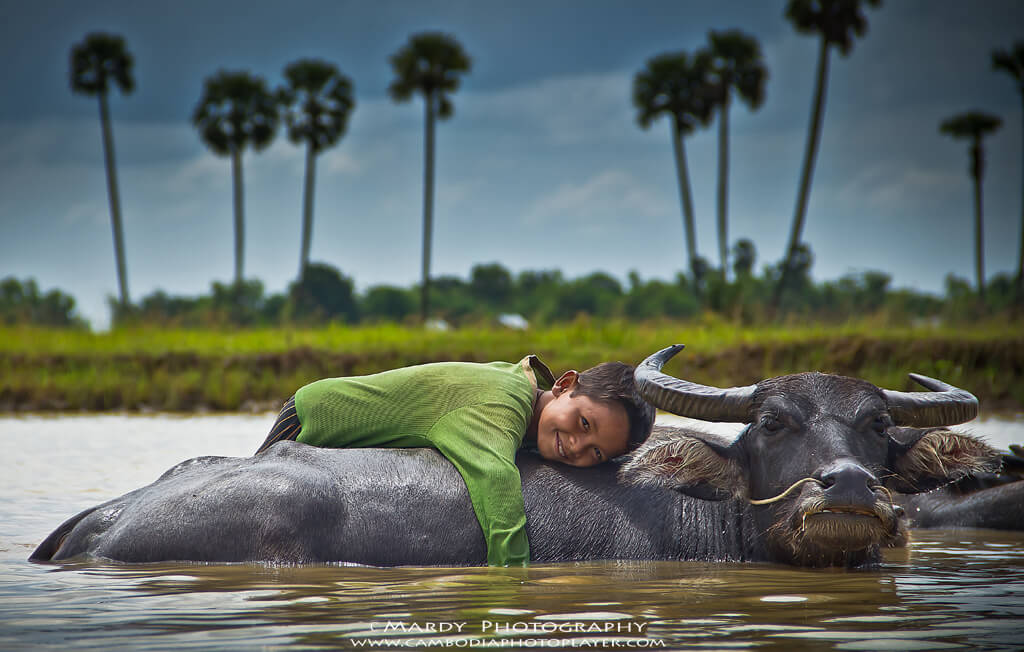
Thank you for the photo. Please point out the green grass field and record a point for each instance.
(182, 370)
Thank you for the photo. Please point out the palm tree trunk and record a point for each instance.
(723, 184)
(1020, 256)
(977, 163)
(813, 133)
(236, 176)
(307, 208)
(113, 196)
(428, 203)
(685, 195)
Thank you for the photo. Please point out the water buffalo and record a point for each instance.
(810, 482)
(984, 500)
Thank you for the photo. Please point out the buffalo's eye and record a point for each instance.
(770, 424)
(881, 424)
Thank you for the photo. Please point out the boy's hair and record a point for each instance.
(612, 382)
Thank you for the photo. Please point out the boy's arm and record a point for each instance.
(484, 453)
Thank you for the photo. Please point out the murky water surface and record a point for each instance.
(950, 589)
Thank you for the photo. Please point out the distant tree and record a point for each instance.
(973, 125)
(961, 302)
(531, 280)
(875, 286)
(744, 255)
(855, 294)
(701, 270)
(957, 289)
(1001, 294)
(317, 101)
(491, 285)
(534, 291)
(227, 304)
(238, 304)
(737, 65)
(597, 294)
(95, 62)
(800, 288)
(802, 263)
(836, 22)
(908, 306)
(747, 294)
(430, 64)
(235, 111)
(23, 303)
(453, 298)
(322, 293)
(1012, 63)
(677, 85)
(273, 308)
(657, 299)
(387, 303)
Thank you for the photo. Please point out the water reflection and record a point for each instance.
(942, 593)
(924, 597)
(948, 589)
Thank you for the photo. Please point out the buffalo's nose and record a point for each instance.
(847, 482)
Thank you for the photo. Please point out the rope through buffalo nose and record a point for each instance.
(892, 503)
(792, 487)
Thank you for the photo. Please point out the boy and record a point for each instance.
(477, 416)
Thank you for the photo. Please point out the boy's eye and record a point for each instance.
(586, 424)
(598, 455)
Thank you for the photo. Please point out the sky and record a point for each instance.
(542, 166)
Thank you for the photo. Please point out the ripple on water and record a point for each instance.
(948, 590)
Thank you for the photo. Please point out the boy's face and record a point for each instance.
(578, 430)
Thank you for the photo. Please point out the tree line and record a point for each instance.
(238, 111)
(493, 295)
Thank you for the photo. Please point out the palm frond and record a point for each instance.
(971, 124)
(837, 21)
(678, 85)
(99, 59)
(431, 63)
(317, 102)
(236, 110)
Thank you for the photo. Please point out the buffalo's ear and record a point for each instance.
(922, 459)
(697, 464)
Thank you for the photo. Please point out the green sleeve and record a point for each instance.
(487, 466)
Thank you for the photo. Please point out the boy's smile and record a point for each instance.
(578, 430)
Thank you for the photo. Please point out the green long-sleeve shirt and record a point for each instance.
(475, 414)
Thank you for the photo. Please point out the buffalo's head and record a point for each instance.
(819, 458)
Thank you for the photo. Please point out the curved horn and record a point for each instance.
(944, 405)
(690, 399)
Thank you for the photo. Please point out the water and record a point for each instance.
(947, 590)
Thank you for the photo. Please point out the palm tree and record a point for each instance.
(1012, 63)
(973, 125)
(236, 110)
(678, 85)
(837, 22)
(430, 64)
(317, 101)
(96, 61)
(737, 64)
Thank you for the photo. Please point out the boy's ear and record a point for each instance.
(565, 382)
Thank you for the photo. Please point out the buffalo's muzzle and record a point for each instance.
(848, 486)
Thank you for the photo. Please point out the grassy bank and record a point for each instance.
(183, 370)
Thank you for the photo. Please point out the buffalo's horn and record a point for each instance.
(944, 405)
(690, 399)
